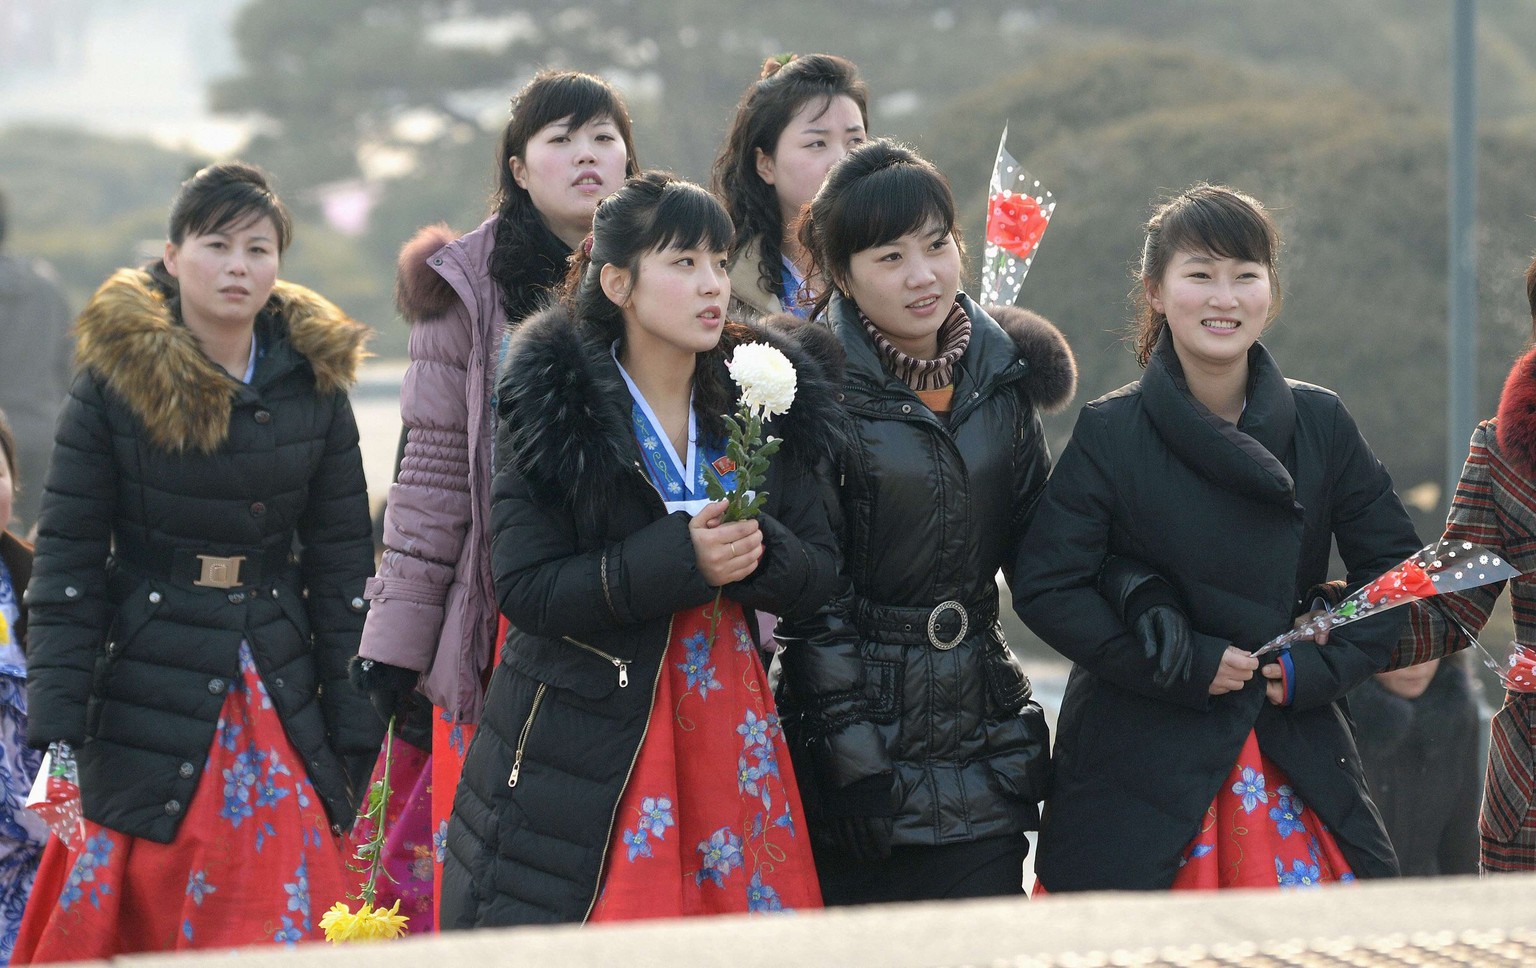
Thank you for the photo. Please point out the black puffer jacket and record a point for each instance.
(927, 511)
(1240, 521)
(161, 456)
(590, 569)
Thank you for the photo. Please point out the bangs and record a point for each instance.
(688, 217)
(229, 215)
(579, 97)
(1221, 226)
(888, 204)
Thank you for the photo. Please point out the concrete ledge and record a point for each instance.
(1484, 921)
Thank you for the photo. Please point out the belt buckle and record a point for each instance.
(219, 572)
(933, 625)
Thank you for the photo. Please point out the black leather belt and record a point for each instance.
(943, 626)
(232, 568)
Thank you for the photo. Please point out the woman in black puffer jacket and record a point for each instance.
(923, 756)
(195, 660)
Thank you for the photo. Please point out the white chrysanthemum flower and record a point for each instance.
(766, 378)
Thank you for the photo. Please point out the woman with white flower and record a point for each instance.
(924, 756)
(630, 761)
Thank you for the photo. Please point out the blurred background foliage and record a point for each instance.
(1334, 114)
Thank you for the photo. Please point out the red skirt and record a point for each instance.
(1259, 833)
(253, 862)
(710, 822)
(450, 742)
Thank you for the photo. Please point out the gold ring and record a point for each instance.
(733, 549)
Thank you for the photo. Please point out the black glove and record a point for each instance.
(391, 689)
(1164, 634)
(866, 838)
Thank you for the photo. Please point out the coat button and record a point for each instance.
(154, 598)
(217, 686)
(235, 598)
(274, 593)
(71, 592)
(278, 683)
(975, 394)
(186, 770)
(258, 509)
(357, 604)
(906, 408)
(262, 416)
(172, 807)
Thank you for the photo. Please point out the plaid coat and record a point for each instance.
(1495, 506)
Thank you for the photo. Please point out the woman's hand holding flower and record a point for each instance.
(727, 551)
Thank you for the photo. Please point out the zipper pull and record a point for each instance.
(517, 767)
(623, 673)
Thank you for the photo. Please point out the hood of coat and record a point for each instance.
(129, 336)
(423, 289)
(1246, 458)
(563, 405)
(1517, 414)
(1050, 372)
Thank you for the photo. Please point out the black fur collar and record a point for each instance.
(565, 411)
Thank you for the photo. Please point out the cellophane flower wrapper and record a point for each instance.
(1019, 210)
(55, 796)
(1439, 568)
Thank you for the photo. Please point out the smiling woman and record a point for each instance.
(1181, 762)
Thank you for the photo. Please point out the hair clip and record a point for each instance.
(586, 246)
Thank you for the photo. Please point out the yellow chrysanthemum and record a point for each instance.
(368, 924)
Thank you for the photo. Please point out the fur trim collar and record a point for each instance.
(422, 293)
(1517, 414)
(567, 410)
(129, 337)
(1052, 378)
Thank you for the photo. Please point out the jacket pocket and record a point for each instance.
(1511, 772)
(1019, 754)
(585, 669)
(522, 736)
(883, 689)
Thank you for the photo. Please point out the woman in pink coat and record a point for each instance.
(432, 625)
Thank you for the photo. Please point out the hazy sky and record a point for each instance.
(121, 66)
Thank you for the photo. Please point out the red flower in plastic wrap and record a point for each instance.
(1015, 223)
(1407, 580)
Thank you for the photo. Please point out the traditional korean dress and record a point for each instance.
(1259, 833)
(710, 822)
(22, 832)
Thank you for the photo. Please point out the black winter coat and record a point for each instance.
(160, 456)
(589, 569)
(1240, 521)
(883, 682)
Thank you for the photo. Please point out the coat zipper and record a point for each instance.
(522, 738)
(602, 864)
(617, 662)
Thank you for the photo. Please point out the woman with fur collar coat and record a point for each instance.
(194, 661)
(1495, 506)
(923, 755)
(629, 762)
(433, 624)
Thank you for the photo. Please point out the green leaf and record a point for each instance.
(713, 486)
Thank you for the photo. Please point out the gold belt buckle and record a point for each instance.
(219, 572)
